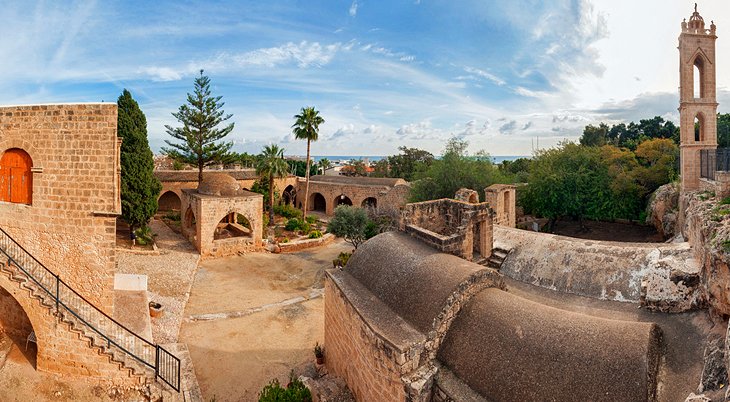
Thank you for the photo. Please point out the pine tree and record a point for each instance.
(200, 138)
(140, 187)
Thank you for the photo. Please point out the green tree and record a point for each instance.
(140, 187)
(350, 223)
(299, 168)
(594, 136)
(356, 168)
(408, 163)
(200, 138)
(723, 130)
(272, 165)
(306, 127)
(455, 169)
(324, 164)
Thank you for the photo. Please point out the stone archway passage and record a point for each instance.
(288, 196)
(318, 202)
(342, 200)
(169, 201)
(233, 225)
(15, 325)
(370, 202)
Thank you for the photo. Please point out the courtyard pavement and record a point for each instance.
(254, 317)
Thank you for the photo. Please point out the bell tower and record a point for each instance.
(697, 96)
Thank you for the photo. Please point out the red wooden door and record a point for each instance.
(16, 180)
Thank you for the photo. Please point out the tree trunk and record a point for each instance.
(271, 200)
(200, 172)
(306, 186)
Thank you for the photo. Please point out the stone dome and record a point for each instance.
(218, 184)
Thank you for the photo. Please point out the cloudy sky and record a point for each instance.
(382, 73)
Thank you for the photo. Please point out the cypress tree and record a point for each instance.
(140, 187)
(200, 138)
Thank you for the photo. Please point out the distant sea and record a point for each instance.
(375, 158)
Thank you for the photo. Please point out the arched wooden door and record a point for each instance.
(16, 180)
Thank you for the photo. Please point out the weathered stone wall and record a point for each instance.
(663, 210)
(387, 197)
(705, 225)
(502, 198)
(661, 275)
(300, 245)
(451, 226)
(70, 226)
(355, 352)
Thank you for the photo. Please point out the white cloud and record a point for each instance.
(353, 9)
(161, 73)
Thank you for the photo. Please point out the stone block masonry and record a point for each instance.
(71, 223)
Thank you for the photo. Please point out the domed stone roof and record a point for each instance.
(218, 184)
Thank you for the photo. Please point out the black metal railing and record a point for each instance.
(714, 160)
(164, 363)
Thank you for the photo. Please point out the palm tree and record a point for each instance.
(272, 165)
(306, 127)
(324, 164)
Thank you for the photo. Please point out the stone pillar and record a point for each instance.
(722, 180)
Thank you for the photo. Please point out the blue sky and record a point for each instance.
(382, 73)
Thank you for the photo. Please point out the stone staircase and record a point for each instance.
(495, 260)
(143, 361)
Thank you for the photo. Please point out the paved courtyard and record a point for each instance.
(254, 317)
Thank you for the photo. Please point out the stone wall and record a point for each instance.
(356, 190)
(502, 198)
(451, 226)
(359, 354)
(70, 226)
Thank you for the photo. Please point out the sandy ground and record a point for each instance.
(254, 317)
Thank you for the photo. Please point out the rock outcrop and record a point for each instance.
(663, 210)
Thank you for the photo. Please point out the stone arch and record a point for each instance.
(699, 127)
(20, 144)
(16, 178)
(28, 310)
(233, 224)
(317, 202)
(288, 196)
(370, 202)
(169, 201)
(342, 200)
(699, 76)
(189, 220)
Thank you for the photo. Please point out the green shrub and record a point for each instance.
(295, 224)
(284, 240)
(266, 220)
(315, 234)
(173, 216)
(311, 219)
(295, 391)
(144, 236)
(726, 246)
(341, 260)
(371, 229)
(288, 211)
(725, 201)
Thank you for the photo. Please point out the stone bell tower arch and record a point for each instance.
(697, 96)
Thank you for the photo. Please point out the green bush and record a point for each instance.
(173, 216)
(295, 224)
(288, 211)
(144, 236)
(725, 201)
(266, 220)
(341, 260)
(315, 234)
(311, 219)
(295, 391)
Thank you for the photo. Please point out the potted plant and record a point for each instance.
(319, 353)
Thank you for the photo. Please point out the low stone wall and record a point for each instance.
(299, 245)
(660, 275)
(230, 246)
